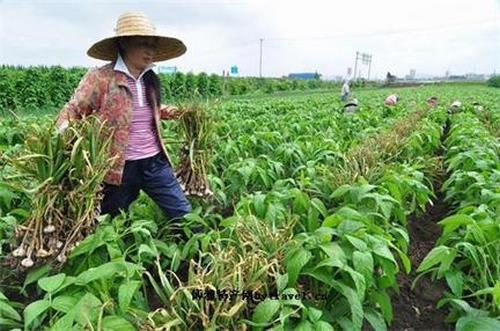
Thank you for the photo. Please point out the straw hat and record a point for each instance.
(133, 23)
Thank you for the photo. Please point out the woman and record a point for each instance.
(454, 107)
(126, 93)
(345, 91)
(391, 100)
(432, 101)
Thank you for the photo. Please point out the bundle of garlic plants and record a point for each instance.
(62, 173)
(197, 127)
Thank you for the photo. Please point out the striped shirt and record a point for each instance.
(391, 100)
(143, 139)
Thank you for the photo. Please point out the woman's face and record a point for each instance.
(139, 51)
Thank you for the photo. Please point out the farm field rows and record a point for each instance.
(384, 219)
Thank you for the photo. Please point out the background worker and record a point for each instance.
(345, 91)
(391, 100)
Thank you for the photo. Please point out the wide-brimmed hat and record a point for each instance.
(133, 23)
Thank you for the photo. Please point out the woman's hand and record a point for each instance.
(169, 112)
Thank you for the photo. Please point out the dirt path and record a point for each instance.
(415, 309)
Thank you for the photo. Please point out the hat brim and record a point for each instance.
(168, 48)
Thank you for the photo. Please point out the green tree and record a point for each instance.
(215, 85)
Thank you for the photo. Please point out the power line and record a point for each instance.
(225, 48)
(379, 33)
(249, 42)
(260, 61)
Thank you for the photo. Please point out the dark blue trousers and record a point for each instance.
(154, 175)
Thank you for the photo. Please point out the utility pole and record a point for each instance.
(369, 66)
(365, 59)
(355, 66)
(260, 61)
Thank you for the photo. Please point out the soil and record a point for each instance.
(415, 309)
(226, 211)
(154, 300)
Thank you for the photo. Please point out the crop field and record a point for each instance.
(387, 218)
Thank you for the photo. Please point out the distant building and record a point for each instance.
(304, 75)
(412, 75)
(473, 76)
(456, 77)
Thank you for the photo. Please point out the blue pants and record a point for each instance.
(154, 175)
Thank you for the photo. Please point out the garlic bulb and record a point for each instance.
(42, 253)
(61, 258)
(18, 252)
(49, 229)
(27, 262)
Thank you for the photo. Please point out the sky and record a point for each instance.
(429, 36)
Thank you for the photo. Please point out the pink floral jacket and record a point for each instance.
(105, 92)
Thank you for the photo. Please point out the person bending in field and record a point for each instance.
(345, 91)
(126, 93)
(351, 106)
(391, 100)
(477, 106)
(455, 107)
(432, 101)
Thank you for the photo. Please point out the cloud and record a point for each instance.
(430, 36)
